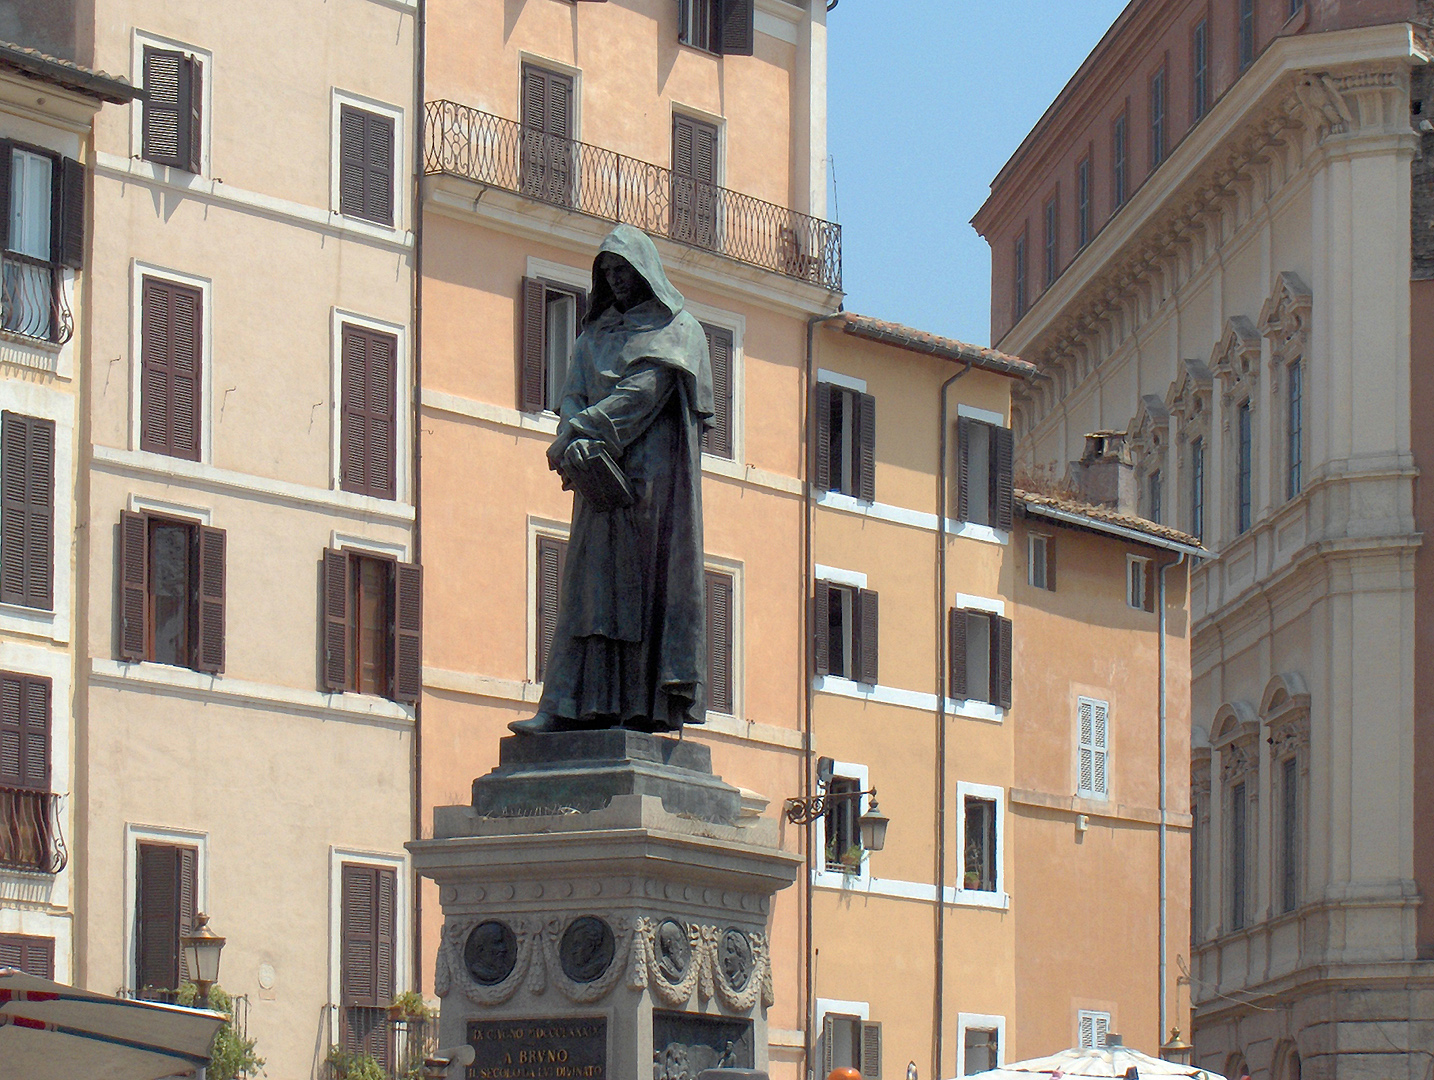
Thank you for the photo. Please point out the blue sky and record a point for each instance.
(926, 101)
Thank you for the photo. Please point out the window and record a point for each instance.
(1197, 488)
(1041, 561)
(372, 625)
(717, 438)
(368, 416)
(32, 955)
(1244, 457)
(165, 909)
(42, 231)
(1289, 834)
(368, 939)
(1052, 243)
(366, 164)
(980, 855)
(1295, 430)
(1094, 750)
(981, 1050)
(27, 511)
(1140, 583)
(719, 588)
(1200, 62)
(1083, 203)
(980, 643)
(846, 441)
(1247, 33)
(1118, 162)
(1018, 264)
(171, 592)
(853, 1043)
(547, 167)
(27, 822)
(1157, 119)
(1239, 862)
(723, 27)
(171, 364)
(552, 559)
(1094, 1027)
(846, 632)
(552, 319)
(694, 181)
(842, 822)
(985, 473)
(172, 130)
(1154, 491)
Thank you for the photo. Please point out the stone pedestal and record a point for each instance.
(605, 915)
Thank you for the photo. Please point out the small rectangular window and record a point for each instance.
(1052, 243)
(1119, 157)
(1019, 272)
(847, 634)
(32, 955)
(842, 824)
(1157, 119)
(28, 823)
(718, 587)
(1140, 583)
(552, 319)
(171, 368)
(372, 625)
(27, 511)
(1041, 561)
(853, 1043)
(982, 1050)
(366, 164)
(1247, 33)
(723, 27)
(1094, 751)
(1197, 488)
(171, 124)
(1239, 840)
(1093, 1029)
(980, 836)
(1200, 62)
(1294, 480)
(1154, 495)
(1289, 834)
(1244, 480)
(1083, 232)
(43, 231)
(980, 661)
(985, 473)
(368, 414)
(846, 441)
(172, 584)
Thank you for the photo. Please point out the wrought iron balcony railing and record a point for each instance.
(372, 1039)
(475, 145)
(30, 831)
(32, 299)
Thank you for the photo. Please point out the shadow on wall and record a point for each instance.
(47, 27)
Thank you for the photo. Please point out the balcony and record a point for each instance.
(32, 299)
(30, 831)
(375, 1040)
(490, 150)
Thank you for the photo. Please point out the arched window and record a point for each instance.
(1285, 710)
(1235, 733)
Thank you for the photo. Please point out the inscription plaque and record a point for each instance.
(568, 1048)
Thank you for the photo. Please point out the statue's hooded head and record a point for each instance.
(637, 250)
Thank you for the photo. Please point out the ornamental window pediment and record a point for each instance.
(1188, 399)
(1235, 733)
(1285, 709)
(1149, 432)
(1236, 359)
(1286, 314)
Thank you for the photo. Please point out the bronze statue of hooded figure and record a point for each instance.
(630, 644)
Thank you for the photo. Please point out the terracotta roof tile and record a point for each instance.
(904, 337)
(1105, 515)
(55, 69)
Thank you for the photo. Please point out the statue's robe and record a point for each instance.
(630, 643)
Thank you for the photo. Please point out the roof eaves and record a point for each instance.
(68, 74)
(919, 341)
(1120, 525)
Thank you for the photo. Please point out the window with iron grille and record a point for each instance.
(42, 230)
(1247, 33)
(1119, 155)
(1200, 64)
(1294, 432)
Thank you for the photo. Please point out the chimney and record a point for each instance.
(1105, 474)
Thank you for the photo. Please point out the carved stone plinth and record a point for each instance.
(613, 929)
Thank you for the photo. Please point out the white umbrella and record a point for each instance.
(1112, 1061)
(50, 1031)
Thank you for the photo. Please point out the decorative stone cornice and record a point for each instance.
(1235, 360)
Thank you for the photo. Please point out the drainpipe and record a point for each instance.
(943, 439)
(420, 33)
(808, 670)
(1164, 788)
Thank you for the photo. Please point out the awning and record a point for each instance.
(50, 1031)
(1111, 1061)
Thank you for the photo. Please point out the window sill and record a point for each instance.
(917, 519)
(998, 901)
(909, 699)
(36, 622)
(44, 345)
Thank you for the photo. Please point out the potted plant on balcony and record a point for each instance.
(233, 1057)
(346, 1065)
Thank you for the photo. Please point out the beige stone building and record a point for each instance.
(247, 613)
(1217, 243)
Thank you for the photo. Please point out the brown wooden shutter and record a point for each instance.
(407, 632)
(866, 444)
(7, 148)
(822, 422)
(717, 439)
(956, 647)
(32, 955)
(866, 637)
(71, 249)
(358, 936)
(134, 586)
(164, 911)
(166, 113)
(821, 628)
(187, 905)
(532, 352)
(828, 1047)
(378, 168)
(194, 144)
(963, 468)
(351, 161)
(27, 512)
(209, 601)
(171, 345)
(368, 413)
(385, 934)
(334, 586)
(1001, 643)
(719, 641)
(552, 559)
(1051, 563)
(24, 732)
(1003, 477)
(737, 30)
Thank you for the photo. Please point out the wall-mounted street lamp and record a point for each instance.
(201, 953)
(805, 811)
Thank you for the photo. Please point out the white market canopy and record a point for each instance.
(1112, 1061)
(50, 1031)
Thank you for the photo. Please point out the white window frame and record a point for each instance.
(1096, 1016)
(836, 879)
(572, 277)
(138, 272)
(402, 427)
(402, 928)
(854, 1010)
(736, 571)
(975, 530)
(338, 99)
(205, 57)
(133, 835)
(976, 897)
(979, 1022)
(736, 325)
(1135, 598)
(1094, 703)
(1044, 540)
